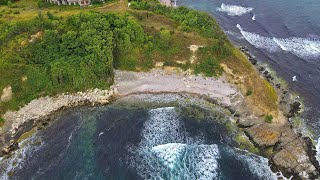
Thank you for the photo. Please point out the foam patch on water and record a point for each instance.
(234, 10)
(181, 161)
(301, 47)
(205, 163)
(166, 151)
(258, 165)
(169, 153)
(259, 41)
(253, 17)
(162, 127)
(27, 149)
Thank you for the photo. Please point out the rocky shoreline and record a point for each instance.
(291, 153)
(39, 111)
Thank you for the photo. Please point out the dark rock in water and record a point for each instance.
(236, 115)
(266, 72)
(278, 86)
(14, 146)
(253, 61)
(294, 109)
(312, 154)
(269, 76)
(261, 69)
(284, 92)
(244, 49)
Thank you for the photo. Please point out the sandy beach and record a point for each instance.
(173, 80)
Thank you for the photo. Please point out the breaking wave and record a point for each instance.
(234, 10)
(166, 151)
(301, 47)
(27, 149)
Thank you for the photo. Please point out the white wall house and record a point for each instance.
(71, 2)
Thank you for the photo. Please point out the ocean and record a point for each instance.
(125, 141)
(283, 34)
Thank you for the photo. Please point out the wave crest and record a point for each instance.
(234, 10)
(301, 47)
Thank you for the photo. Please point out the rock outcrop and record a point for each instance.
(292, 154)
(6, 94)
(39, 109)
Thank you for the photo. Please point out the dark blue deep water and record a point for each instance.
(283, 33)
(121, 142)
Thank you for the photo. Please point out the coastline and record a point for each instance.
(280, 137)
(37, 113)
(287, 150)
(291, 108)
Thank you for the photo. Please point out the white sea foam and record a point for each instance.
(166, 151)
(162, 127)
(258, 165)
(301, 47)
(27, 149)
(169, 153)
(259, 41)
(182, 161)
(204, 159)
(234, 10)
(294, 78)
(164, 154)
(253, 17)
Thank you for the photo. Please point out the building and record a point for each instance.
(71, 2)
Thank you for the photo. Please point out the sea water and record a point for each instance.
(128, 142)
(285, 34)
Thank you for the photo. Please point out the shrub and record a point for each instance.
(1, 120)
(268, 118)
(50, 15)
(45, 4)
(209, 67)
(249, 92)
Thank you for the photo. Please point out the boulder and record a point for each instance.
(264, 135)
(294, 159)
(6, 94)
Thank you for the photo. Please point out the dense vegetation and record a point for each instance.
(6, 2)
(48, 54)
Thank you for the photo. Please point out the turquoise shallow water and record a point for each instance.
(123, 141)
